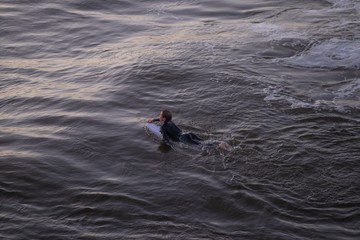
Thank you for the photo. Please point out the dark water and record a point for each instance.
(278, 80)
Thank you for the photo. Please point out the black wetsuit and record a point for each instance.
(170, 131)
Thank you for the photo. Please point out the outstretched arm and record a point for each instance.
(150, 120)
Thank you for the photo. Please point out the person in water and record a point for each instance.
(171, 132)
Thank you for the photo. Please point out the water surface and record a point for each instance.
(278, 80)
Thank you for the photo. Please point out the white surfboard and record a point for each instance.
(153, 129)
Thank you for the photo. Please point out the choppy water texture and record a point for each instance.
(278, 80)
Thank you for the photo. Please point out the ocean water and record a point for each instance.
(278, 80)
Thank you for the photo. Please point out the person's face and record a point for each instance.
(162, 119)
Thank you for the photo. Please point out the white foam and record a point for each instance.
(275, 32)
(347, 4)
(350, 90)
(334, 53)
(348, 95)
(266, 29)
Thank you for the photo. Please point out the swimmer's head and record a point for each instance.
(165, 115)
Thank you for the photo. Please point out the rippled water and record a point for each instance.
(278, 80)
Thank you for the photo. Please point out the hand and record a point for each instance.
(149, 120)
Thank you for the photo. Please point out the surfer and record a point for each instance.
(170, 131)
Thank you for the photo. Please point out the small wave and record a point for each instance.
(334, 53)
(343, 98)
(275, 94)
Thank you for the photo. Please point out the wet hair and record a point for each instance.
(167, 115)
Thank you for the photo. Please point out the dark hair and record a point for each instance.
(167, 115)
